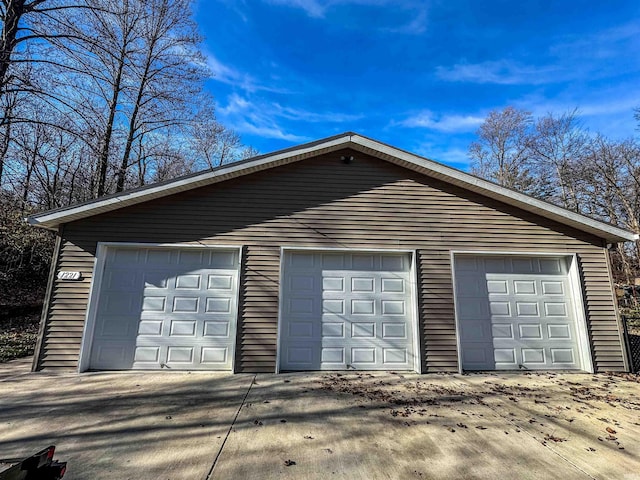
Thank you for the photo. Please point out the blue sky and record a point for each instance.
(420, 75)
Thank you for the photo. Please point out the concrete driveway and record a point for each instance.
(354, 425)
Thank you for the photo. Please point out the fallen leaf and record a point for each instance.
(553, 438)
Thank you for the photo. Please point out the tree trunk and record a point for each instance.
(6, 140)
(15, 10)
(103, 160)
(132, 125)
(27, 180)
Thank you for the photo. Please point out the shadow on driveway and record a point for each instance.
(354, 425)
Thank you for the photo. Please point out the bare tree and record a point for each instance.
(212, 144)
(109, 99)
(165, 74)
(557, 146)
(502, 151)
(12, 14)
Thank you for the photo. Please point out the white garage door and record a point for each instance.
(343, 311)
(515, 313)
(166, 308)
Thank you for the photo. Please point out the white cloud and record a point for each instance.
(602, 45)
(502, 72)
(443, 123)
(268, 132)
(416, 26)
(313, 117)
(311, 7)
(318, 9)
(231, 76)
(266, 119)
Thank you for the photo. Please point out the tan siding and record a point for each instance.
(256, 348)
(67, 310)
(324, 203)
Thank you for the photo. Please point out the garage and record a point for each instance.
(173, 308)
(344, 310)
(355, 254)
(519, 313)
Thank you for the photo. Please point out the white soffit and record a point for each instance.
(54, 218)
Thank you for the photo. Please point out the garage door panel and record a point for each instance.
(530, 331)
(332, 329)
(364, 304)
(333, 355)
(116, 353)
(218, 305)
(363, 330)
(216, 329)
(180, 310)
(550, 288)
(215, 356)
(562, 356)
(497, 309)
(475, 331)
(473, 308)
(298, 329)
(521, 287)
(394, 330)
(188, 281)
(332, 284)
(392, 285)
(149, 327)
(333, 306)
(119, 279)
(505, 356)
(530, 316)
(147, 354)
(220, 282)
(478, 356)
(301, 354)
(559, 331)
(360, 307)
(153, 280)
(500, 331)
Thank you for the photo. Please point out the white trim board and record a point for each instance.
(96, 282)
(612, 234)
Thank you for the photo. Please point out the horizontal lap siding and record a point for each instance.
(68, 308)
(257, 341)
(325, 203)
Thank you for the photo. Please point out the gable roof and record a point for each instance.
(54, 218)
